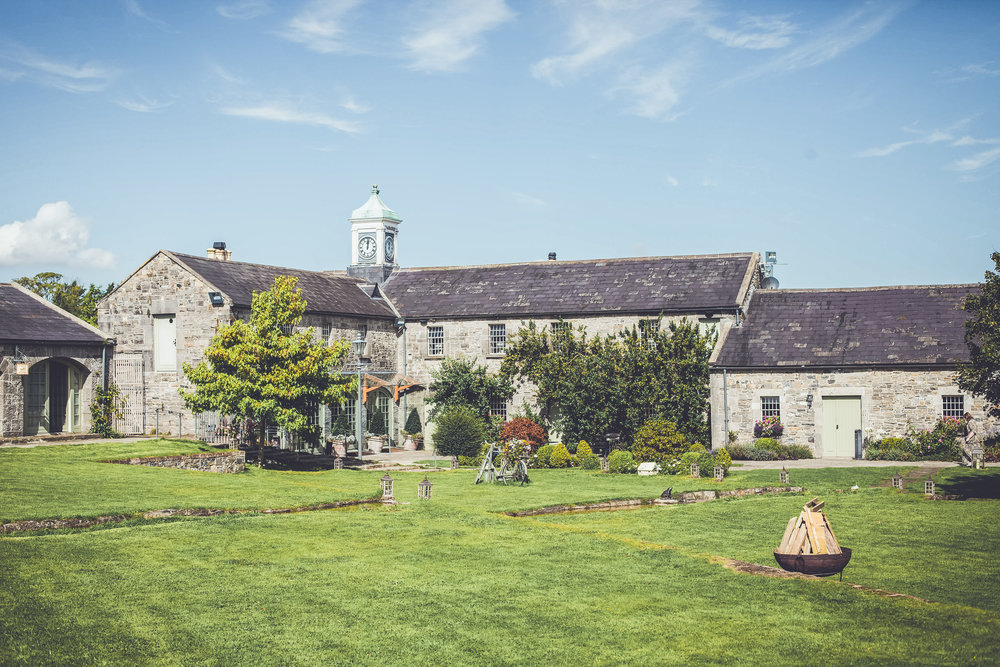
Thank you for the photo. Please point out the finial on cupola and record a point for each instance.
(375, 189)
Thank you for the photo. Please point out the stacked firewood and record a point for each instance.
(809, 533)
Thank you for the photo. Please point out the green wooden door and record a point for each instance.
(841, 417)
(36, 399)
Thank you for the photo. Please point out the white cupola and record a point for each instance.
(374, 232)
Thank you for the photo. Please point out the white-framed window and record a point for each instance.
(287, 329)
(435, 341)
(770, 406)
(347, 409)
(498, 338)
(648, 330)
(324, 332)
(953, 406)
(498, 408)
(165, 343)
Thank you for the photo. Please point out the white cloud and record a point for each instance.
(74, 78)
(133, 8)
(56, 235)
(284, 114)
(932, 137)
(977, 161)
(318, 26)
(452, 33)
(528, 200)
(672, 182)
(228, 76)
(754, 32)
(604, 29)
(849, 31)
(352, 105)
(143, 104)
(243, 10)
(655, 93)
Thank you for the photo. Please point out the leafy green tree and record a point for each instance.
(71, 297)
(459, 381)
(587, 387)
(658, 440)
(981, 376)
(413, 425)
(458, 431)
(256, 371)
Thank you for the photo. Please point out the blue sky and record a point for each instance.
(861, 141)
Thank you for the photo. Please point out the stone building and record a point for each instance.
(830, 362)
(50, 364)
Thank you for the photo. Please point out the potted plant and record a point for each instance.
(341, 430)
(412, 431)
(377, 431)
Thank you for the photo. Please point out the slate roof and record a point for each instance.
(326, 292)
(27, 318)
(705, 283)
(878, 326)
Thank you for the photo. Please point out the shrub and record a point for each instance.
(762, 455)
(941, 442)
(797, 452)
(105, 408)
(341, 426)
(377, 422)
(560, 457)
(523, 428)
(541, 457)
(672, 466)
(470, 461)
(686, 459)
(739, 452)
(767, 443)
(658, 440)
(723, 459)
(591, 462)
(768, 427)
(706, 464)
(697, 447)
(458, 432)
(583, 450)
(622, 461)
(413, 425)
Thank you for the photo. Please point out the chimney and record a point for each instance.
(552, 257)
(218, 251)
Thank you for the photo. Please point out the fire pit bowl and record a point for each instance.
(822, 565)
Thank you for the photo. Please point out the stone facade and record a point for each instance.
(892, 400)
(86, 359)
(470, 338)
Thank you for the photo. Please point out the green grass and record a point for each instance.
(454, 582)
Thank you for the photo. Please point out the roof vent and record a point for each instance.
(218, 251)
(552, 257)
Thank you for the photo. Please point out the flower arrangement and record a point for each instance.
(768, 427)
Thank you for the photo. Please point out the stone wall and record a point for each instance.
(230, 461)
(470, 339)
(85, 358)
(891, 401)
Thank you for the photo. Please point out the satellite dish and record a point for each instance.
(770, 283)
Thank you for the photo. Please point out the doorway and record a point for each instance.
(52, 402)
(841, 417)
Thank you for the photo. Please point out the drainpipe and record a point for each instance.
(405, 413)
(725, 408)
(104, 366)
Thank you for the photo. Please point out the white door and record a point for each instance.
(164, 343)
(74, 421)
(841, 417)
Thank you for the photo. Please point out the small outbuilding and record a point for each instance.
(50, 363)
(833, 361)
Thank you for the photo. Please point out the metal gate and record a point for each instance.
(128, 376)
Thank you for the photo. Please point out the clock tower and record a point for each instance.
(374, 232)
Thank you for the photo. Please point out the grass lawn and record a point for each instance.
(453, 581)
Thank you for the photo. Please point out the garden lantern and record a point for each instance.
(783, 475)
(977, 458)
(897, 481)
(695, 469)
(424, 489)
(454, 462)
(338, 463)
(929, 487)
(387, 487)
(720, 473)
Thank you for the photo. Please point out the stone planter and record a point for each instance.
(409, 444)
(339, 447)
(375, 445)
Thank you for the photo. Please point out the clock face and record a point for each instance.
(366, 247)
(390, 248)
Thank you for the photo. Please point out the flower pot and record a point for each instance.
(375, 445)
(409, 444)
(339, 448)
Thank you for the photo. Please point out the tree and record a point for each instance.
(413, 423)
(587, 387)
(458, 431)
(71, 297)
(255, 370)
(981, 376)
(658, 440)
(460, 382)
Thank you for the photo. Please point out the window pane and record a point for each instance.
(770, 406)
(498, 409)
(952, 406)
(435, 341)
(498, 338)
